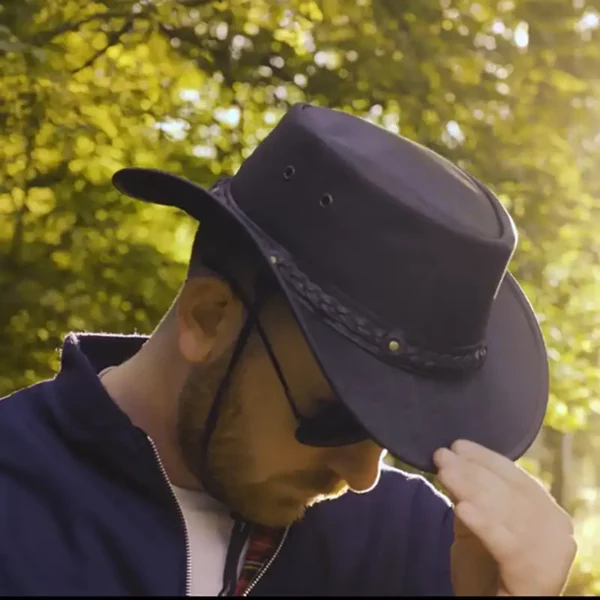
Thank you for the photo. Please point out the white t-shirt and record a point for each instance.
(209, 526)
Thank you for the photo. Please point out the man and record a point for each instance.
(347, 293)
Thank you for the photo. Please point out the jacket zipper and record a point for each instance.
(260, 574)
(188, 553)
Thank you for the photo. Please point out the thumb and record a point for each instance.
(473, 570)
(460, 529)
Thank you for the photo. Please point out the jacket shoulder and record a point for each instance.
(24, 401)
(26, 423)
(392, 540)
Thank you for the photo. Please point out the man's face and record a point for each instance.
(262, 472)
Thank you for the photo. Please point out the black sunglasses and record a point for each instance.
(333, 424)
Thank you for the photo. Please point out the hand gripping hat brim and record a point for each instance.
(500, 405)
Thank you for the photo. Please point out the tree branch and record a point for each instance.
(194, 3)
(113, 39)
(46, 36)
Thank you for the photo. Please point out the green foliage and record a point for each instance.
(505, 89)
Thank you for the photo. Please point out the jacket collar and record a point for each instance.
(81, 404)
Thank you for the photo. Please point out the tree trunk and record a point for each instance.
(561, 448)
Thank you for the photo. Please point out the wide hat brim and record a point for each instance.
(501, 406)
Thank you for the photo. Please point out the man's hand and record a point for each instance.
(510, 536)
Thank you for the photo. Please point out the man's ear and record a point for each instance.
(209, 318)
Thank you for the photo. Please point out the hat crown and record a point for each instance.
(381, 223)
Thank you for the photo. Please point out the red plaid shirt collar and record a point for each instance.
(262, 546)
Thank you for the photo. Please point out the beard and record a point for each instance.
(276, 501)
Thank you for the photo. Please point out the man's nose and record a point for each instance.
(358, 465)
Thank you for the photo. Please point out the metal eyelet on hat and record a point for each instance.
(394, 346)
(289, 172)
(326, 200)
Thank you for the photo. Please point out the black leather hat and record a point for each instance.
(394, 262)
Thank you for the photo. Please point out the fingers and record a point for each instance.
(501, 466)
(466, 479)
(511, 514)
(468, 482)
(498, 540)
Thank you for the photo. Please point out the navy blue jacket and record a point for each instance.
(86, 510)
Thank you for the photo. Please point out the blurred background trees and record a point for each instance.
(508, 89)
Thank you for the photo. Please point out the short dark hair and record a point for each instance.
(211, 247)
(218, 251)
(224, 251)
(196, 265)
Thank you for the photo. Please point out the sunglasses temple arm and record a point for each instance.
(261, 293)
